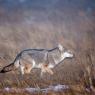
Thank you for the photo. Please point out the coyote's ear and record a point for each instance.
(60, 47)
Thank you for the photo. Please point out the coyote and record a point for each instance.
(45, 59)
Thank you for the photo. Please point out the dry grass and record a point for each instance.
(76, 34)
(72, 72)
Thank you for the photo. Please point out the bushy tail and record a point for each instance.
(11, 66)
(7, 68)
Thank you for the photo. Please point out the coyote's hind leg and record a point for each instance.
(28, 69)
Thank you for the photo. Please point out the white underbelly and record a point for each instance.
(36, 65)
(51, 66)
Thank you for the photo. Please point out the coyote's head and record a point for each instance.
(65, 53)
(60, 55)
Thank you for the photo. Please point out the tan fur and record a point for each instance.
(46, 69)
(49, 71)
(27, 68)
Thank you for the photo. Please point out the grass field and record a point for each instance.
(46, 27)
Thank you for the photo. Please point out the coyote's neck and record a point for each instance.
(57, 61)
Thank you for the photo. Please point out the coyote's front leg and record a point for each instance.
(42, 71)
(45, 68)
(49, 71)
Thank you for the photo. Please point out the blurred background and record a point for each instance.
(45, 23)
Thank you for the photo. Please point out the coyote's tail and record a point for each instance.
(7, 68)
(11, 66)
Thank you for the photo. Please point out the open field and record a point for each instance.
(44, 26)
